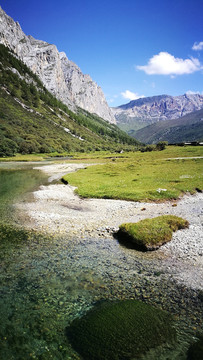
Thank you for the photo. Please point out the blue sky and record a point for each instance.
(131, 48)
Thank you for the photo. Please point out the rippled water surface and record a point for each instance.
(47, 281)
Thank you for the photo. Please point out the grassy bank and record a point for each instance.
(150, 234)
(27, 157)
(154, 176)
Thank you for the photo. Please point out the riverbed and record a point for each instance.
(57, 209)
(75, 261)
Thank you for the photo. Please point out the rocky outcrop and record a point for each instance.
(84, 92)
(59, 75)
(156, 108)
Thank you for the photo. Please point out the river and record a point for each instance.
(48, 279)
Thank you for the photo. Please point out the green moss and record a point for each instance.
(120, 330)
(149, 234)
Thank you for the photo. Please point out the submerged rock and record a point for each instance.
(120, 330)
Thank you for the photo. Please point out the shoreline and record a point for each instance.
(57, 210)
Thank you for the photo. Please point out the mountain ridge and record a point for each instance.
(32, 120)
(187, 128)
(141, 101)
(156, 108)
(59, 75)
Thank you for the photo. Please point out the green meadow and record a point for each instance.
(148, 176)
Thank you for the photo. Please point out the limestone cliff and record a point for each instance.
(59, 75)
(156, 108)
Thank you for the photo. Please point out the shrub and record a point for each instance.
(150, 234)
(7, 147)
(161, 145)
(44, 149)
(120, 330)
(148, 148)
(28, 147)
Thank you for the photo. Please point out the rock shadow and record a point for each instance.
(126, 241)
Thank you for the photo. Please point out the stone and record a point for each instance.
(120, 330)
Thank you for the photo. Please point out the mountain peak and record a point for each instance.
(59, 75)
(156, 108)
(143, 100)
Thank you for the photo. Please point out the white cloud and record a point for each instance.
(190, 92)
(110, 101)
(131, 96)
(166, 64)
(198, 46)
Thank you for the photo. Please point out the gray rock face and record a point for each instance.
(156, 108)
(59, 75)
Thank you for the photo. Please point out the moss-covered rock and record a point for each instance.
(150, 234)
(120, 330)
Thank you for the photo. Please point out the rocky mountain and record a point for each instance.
(142, 112)
(60, 76)
(188, 128)
(32, 120)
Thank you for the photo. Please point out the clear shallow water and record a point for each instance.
(16, 180)
(48, 281)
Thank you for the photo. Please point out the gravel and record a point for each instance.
(57, 210)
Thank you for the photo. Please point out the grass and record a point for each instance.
(149, 234)
(154, 176)
(99, 156)
(120, 330)
(26, 157)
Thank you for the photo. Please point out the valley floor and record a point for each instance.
(57, 210)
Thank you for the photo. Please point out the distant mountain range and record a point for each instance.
(187, 128)
(156, 108)
(60, 76)
(140, 113)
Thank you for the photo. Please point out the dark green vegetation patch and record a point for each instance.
(120, 330)
(150, 234)
(195, 351)
(186, 128)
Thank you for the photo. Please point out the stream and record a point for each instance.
(47, 280)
